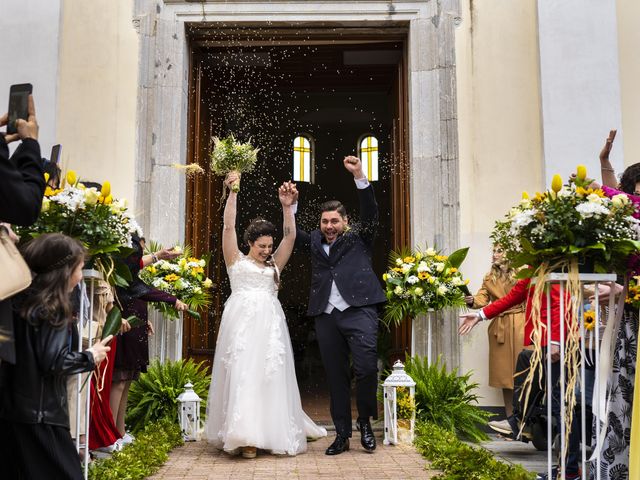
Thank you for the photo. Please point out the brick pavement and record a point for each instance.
(200, 461)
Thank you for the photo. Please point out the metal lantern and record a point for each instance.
(397, 379)
(189, 413)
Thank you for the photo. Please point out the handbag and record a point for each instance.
(16, 275)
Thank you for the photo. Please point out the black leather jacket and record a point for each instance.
(34, 390)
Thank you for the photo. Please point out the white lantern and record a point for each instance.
(397, 379)
(189, 413)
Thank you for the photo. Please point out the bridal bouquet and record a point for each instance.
(419, 281)
(570, 222)
(230, 155)
(183, 277)
(103, 224)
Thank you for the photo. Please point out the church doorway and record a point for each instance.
(323, 96)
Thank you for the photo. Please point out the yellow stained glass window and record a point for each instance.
(368, 152)
(302, 156)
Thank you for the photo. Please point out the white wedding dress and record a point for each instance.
(254, 398)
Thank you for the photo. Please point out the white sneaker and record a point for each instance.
(107, 451)
(501, 426)
(127, 439)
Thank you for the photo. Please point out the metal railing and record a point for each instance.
(561, 279)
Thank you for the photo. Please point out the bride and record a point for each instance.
(254, 400)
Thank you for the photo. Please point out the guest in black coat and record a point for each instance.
(345, 292)
(34, 418)
(21, 190)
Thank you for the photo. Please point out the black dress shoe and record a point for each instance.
(339, 445)
(367, 439)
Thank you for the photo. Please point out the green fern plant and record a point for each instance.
(154, 396)
(447, 399)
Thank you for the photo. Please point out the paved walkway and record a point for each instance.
(200, 461)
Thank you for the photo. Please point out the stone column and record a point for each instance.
(434, 155)
(162, 123)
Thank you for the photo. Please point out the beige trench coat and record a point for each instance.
(506, 332)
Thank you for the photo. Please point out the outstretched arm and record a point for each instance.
(287, 194)
(608, 173)
(229, 237)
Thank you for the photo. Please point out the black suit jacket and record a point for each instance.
(348, 262)
(21, 190)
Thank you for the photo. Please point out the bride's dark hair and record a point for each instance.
(259, 227)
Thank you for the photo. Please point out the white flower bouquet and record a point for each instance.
(103, 224)
(570, 222)
(229, 155)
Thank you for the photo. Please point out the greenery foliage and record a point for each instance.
(446, 399)
(141, 458)
(154, 395)
(460, 461)
(419, 281)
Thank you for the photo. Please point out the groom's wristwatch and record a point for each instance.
(481, 315)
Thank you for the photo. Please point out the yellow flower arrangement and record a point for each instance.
(419, 281)
(183, 277)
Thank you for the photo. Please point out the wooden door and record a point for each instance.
(401, 215)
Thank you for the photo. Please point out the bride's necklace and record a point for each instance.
(257, 263)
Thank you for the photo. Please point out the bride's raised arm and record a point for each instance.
(229, 238)
(287, 195)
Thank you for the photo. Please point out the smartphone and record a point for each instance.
(18, 104)
(55, 154)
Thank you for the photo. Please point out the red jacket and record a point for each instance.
(519, 293)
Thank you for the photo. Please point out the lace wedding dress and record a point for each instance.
(253, 397)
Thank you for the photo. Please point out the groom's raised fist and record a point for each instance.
(353, 165)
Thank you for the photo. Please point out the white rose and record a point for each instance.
(406, 267)
(430, 252)
(413, 279)
(593, 198)
(442, 290)
(620, 200)
(439, 266)
(423, 267)
(398, 290)
(91, 196)
(398, 261)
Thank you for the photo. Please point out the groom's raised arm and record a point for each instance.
(368, 204)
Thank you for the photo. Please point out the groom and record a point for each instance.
(343, 298)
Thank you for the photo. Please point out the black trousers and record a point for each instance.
(37, 451)
(538, 391)
(353, 331)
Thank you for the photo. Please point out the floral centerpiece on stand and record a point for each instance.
(572, 228)
(419, 281)
(183, 277)
(570, 224)
(103, 224)
(229, 155)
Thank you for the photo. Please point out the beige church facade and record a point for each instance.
(490, 98)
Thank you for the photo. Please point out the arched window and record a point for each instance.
(303, 159)
(368, 153)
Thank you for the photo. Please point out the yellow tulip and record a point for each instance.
(72, 178)
(108, 200)
(525, 195)
(556, 183)
(582, 172)
(106, 189)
